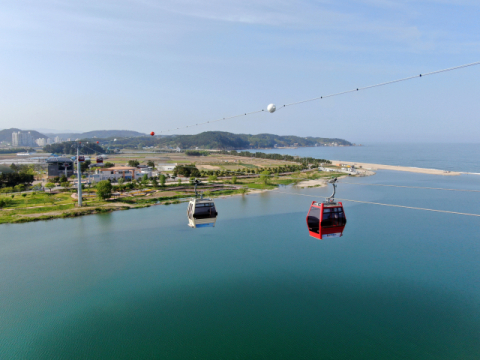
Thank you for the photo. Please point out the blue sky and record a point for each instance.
(150, 65)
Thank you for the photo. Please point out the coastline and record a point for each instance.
(374, 167)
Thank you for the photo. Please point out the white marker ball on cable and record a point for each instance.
(271, 108)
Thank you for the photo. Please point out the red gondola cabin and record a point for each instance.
(326, 220)
(81, 158)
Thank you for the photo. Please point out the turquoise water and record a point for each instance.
(400, 284)
(453, 157)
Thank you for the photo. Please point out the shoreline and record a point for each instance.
(374, 167)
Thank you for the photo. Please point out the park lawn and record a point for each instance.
(248, 166)
(37, 200)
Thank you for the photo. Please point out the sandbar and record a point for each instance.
(374, 167)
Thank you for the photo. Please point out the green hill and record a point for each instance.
(98, 134)
(226, 141)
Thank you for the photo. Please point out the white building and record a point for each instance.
(41, 142)
(166, 167)
(57, 139)
(22, 139)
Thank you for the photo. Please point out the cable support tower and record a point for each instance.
(272, 108)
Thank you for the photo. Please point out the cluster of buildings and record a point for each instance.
(25, 138)
(345, 168)
(48, 141)
(59, 165)
(22, 138)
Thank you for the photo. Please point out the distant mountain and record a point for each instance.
(6, 135)
(226, 141)
(99, 134)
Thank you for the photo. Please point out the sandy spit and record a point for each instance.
(374, 167)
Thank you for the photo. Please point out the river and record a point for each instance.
(400, 283)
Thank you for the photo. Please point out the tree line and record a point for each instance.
(260, 155)
(16, 150)
(68, 148)
(19, 175)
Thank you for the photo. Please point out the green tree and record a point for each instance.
(155, 183)
(19, 187)
(50, 186)
(265, 177)
(151, 164)
(104, 189)
(162, 180)
(186, 171)
(121, 181)
(5, 202)
(108, 165)
(66, 184)
(62, 179)
(234, 179)
(179, 182)
(212, 178)
(133, 163)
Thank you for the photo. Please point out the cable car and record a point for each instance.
(99, 160)
(81, 158)
(326, 219)
(201, 212)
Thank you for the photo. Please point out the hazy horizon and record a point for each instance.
(148, 65)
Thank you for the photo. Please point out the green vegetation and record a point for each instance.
(17, 175)
(224, 140)
(16, 150)
(162, 180)
(133, 163)
(67, 148)
(186, 171)
(104, 189)
(196, 153)
(265, 177)
(260, 155)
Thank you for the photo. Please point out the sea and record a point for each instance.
(451, 157)
(140, 284)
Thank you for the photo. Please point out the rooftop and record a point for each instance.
(57, 159)
(124, 168)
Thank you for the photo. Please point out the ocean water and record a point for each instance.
(452, 157)
(400, 284)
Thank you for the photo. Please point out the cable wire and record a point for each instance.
(411, 187)
(391, 205)
(327, 96)
(385, 83)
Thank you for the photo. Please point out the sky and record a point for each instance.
(148, 65)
